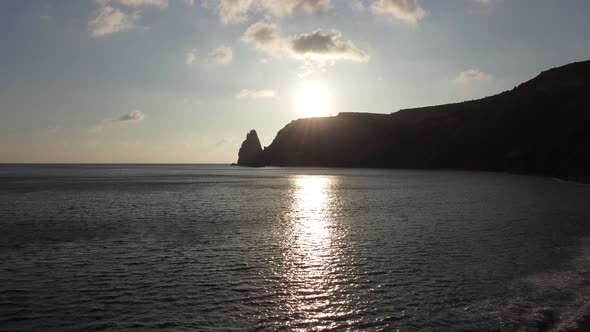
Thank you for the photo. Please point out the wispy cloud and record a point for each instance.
(222, 55)
(289, 7)
(408, 11)
(191, 56)
(143, 3)
(357, 6)
(238, 11)
(472, 75)
(234, 11)
(112, 20)
(257, 94)
(133, 116)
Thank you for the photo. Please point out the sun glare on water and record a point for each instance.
(313, 100)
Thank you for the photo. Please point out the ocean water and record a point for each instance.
(218, 248)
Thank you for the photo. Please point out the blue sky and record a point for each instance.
(183, 81)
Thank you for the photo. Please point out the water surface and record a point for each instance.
(209, 247)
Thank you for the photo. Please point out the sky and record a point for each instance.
(183, 81)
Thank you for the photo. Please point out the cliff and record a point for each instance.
(250, 151)
(539, 127)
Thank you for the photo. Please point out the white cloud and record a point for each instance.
(358, 6)
(142, 3)
(289, 7)
(316, 48)
(133, 116)
(472, 75)
(111, 20)
(256, 94)
(408, 11)
(237, 11)
(234, 11)
(266, 37)
(221, 56)
(191, 56)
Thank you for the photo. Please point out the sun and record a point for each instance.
(313, 100)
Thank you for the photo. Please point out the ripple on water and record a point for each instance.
(230, 249)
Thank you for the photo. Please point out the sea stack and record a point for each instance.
(250, 150)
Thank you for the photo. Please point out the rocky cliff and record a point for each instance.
(539, 127)
(250, 151)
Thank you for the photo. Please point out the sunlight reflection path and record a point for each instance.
(314, 258)
(311, 205)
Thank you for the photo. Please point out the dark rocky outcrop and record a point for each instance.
(540, 127)
(250, 151)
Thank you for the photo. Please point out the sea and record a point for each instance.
(221, 248)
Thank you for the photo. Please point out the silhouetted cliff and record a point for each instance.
(539, 127)
(250, 151)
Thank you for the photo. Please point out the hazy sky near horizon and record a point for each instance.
(184, 81)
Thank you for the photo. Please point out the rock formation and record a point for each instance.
(540, 127)
(250, 150)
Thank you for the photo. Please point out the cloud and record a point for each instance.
(325, 47)
(224, 141)
(133, 116)
(234, 11)
(266, 37)
(112, 20)
(408, 11)
(256, 94)
(316, 48)
(289, 7)
(142, 3)
(191, 56)
(237, 11)
(221, 56)
(472, 75)
(358, 6)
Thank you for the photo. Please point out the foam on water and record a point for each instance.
(554, 300)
